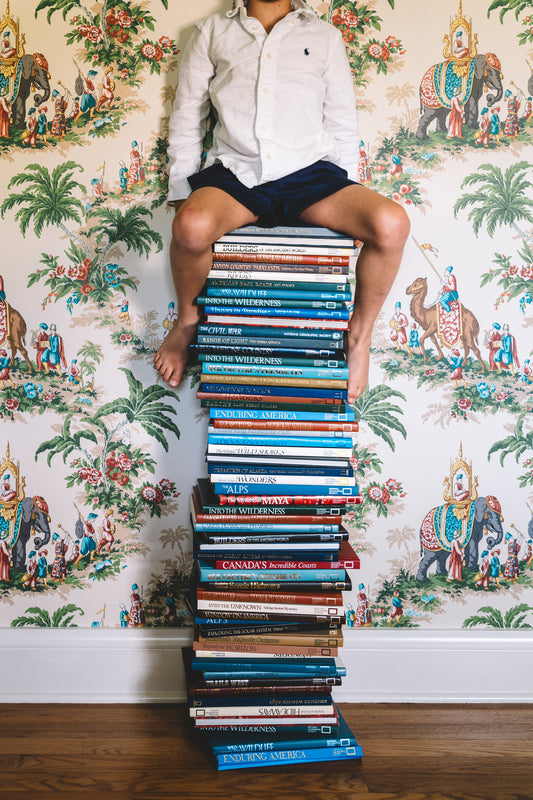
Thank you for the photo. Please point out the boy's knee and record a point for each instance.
(193, 229)
(393, 226)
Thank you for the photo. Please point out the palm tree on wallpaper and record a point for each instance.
(37, 617)
(143, 407)
(518, 444)
(51, 198)
(499, 198)
(374, 408)
(490, 617)
(48, 199)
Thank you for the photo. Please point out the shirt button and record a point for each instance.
(265, 90)
(269, 156)
(269, 55)
(263, 127)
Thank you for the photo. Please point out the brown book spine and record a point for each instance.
(284, 425)
(303, 598)
(278, 380)
(278, 649)
(276, 259)
(302, 640)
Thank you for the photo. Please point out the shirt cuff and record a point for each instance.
(178, 189)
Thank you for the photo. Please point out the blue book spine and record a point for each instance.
(296, 354)
(274, 371)
(292, 756)
(286, 488)
(285, 283)
(256, 413)
(210, 575)
(245, 342)
(303, 664)
(286, 441)
(271, 303)
(308, 313)
(266, 330)
(278, 294)
(269, 361)
(256, 469)
(275, 391)
(269, 527)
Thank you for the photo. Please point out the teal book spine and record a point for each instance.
(288, 414)
(288, 313)
(269, 331)
(278, 294)
(270, 302)
(293, 756)
(271, 360)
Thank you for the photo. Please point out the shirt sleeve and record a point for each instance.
(340, 110)
(187, 124)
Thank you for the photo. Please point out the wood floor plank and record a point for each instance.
(152, 752)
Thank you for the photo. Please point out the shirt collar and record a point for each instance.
(296, 5)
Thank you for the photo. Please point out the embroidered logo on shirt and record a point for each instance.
(306, 51)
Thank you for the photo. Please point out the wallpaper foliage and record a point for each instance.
(99, 456)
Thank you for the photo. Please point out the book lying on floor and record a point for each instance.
(294, 756)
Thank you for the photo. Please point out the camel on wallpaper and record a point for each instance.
(16, 333)
(427, 318)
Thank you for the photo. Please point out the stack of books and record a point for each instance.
(272, 556)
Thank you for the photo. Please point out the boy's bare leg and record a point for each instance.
(204, 217)
(383, 226)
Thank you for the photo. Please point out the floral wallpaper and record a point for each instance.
(98, 456)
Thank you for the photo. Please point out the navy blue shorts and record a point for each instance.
(278, 202)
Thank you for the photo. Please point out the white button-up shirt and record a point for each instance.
(282, 100)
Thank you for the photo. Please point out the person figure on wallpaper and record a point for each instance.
(397, 164)
(59, 123)
(136, 170)
(88, 100)
(59, 567)
(460, 50)
(75, 110)
(398, 325)
(456, 559)
(123, 173)
(170, 319)
(30, 134)
(299, 131)
(495, 123)
(482, 580)
(364, 173)
(414, 339)
(495, 567)
(42, 567)
(449, 289)
(88, 540)
(528, 110)
(397, 607)
(512, 125)
(456, 360)
(5, 113)
(455, 117)
(42, 124)
(506, 356)
(483, 135)
(495, 343)
(363, 615)
(108, 533)
(107, 95)
(5, 561)
(136, 615)
(54, 354)
(5, 372)
(29, 580)
(512, 567)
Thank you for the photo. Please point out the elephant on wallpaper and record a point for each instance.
(33, 518)
(32, 72)
(440, 524)
(438, 84)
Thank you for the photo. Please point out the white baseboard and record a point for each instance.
(144, 665)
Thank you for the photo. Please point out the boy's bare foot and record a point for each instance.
(357, 354)
(171, 358)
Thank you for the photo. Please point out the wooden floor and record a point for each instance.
(140, 752)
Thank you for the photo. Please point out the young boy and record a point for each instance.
(284, 152)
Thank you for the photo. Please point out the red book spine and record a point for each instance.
(282, 258)
(304, 598)
(332, 401)
(284, 425)
(343, 563)
(286, 500)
